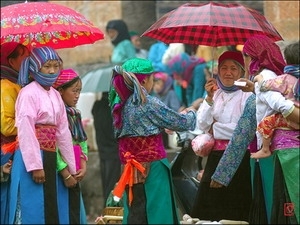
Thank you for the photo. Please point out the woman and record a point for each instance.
(245, 132)
(139, 120)
(42, 125)
(265, 58)
(219, 114)
(120, 38)
(12, 54)
(70, 199)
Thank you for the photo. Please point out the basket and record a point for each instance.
(113, 211)
(112, 215)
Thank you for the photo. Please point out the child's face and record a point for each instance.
(70, 95)
(50, 67)
(158, 85)
(148, 83)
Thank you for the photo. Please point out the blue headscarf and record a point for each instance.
(32, 65)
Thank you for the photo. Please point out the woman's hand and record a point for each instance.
(82, 171)
(249, 87)
(38, 176)
(7, 167)
(69, 180)
(215, 184)
(211, 87)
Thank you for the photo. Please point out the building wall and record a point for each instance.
(284, 15)
(140, 15)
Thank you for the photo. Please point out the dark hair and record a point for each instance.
(291, 54)
(121, 27)
(19, 50)
(70, 83)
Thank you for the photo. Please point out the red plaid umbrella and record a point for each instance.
(43, 23)
(211, 24)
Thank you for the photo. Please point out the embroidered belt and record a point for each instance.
(46, 137)
(220, 145)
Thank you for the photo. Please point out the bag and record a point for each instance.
(202, 144)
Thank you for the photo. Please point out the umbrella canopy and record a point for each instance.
(212, 24)
(36, 24)
(97, 80)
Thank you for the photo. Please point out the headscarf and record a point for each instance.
(126, 82)
(32, 65)
(183, 65)
(237, 57)
(6, 71)
(6, 49)
(65, 76)
(121, 27)
(264, 53)
(168, 81)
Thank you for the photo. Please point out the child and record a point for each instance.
(162, 89)
(288, 85)
(42, 124)
(70, 199)
(139, 120)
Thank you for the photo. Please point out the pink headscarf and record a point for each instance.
(64, 77)
(264, 53)
(6, 50)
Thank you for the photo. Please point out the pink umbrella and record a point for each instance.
(36, 24)
(212, 24)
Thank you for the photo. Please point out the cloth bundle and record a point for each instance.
(202, 144)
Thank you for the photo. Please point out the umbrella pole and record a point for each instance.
(213, 52)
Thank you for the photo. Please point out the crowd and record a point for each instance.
(252, 170)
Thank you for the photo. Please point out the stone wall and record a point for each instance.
(284, 16)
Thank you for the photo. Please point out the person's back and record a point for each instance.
(110, 166)
(155, 54)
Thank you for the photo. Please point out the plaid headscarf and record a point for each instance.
(32, 65)
(264, 53)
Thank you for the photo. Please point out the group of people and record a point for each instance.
(229, 184)
(43, 144)
(255, 127)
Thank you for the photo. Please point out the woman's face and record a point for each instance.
(229, 71)
(148, 83)
(112, 33)
(70, 95)
(51, 67)
(15, 63)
